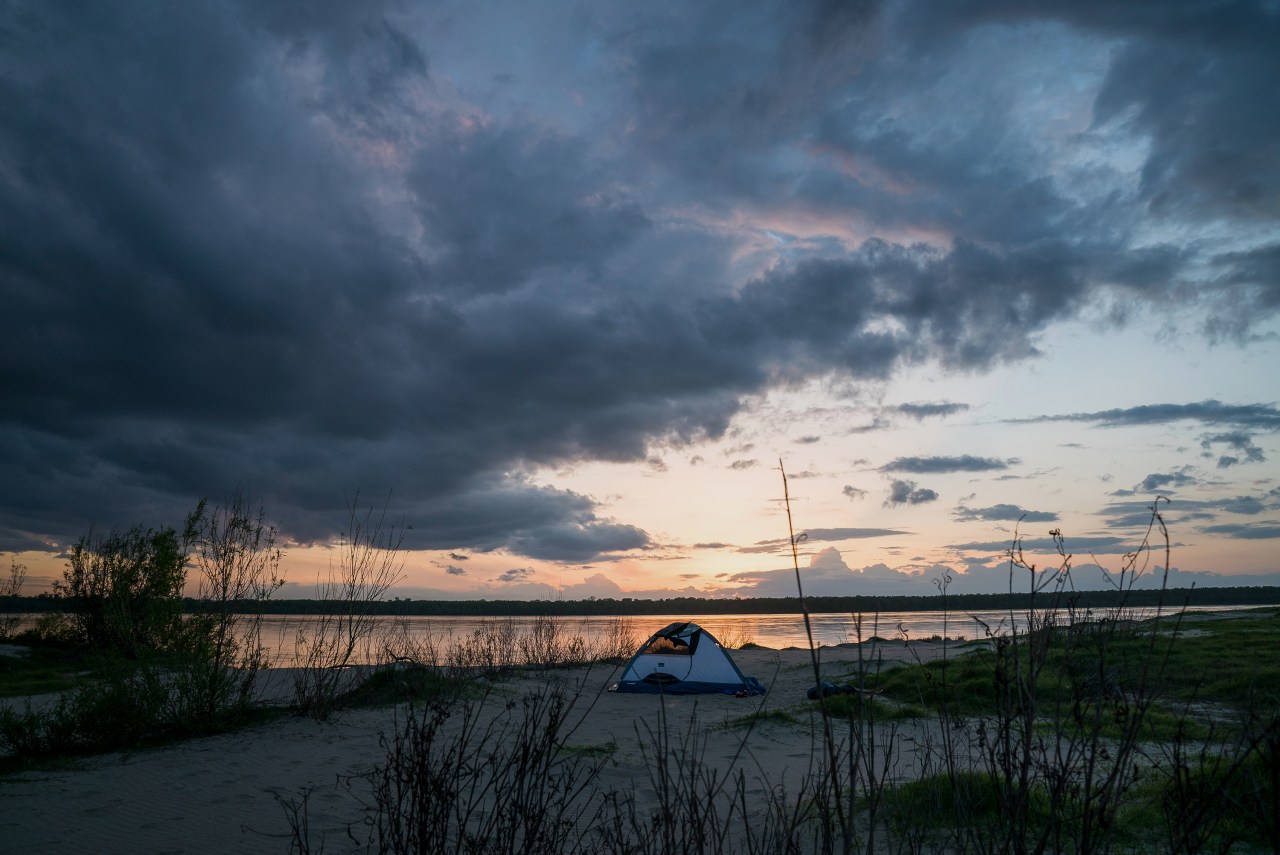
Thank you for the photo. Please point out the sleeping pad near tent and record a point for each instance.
(684, 659)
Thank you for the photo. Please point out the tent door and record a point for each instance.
(660, 669)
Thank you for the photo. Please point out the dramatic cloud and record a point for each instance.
(853, 492)
(554, 525)
(310, 251)
(1002, 513)
(908, 493)
(455, 570)
(933, 465)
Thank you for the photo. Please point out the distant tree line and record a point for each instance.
(1173, 597)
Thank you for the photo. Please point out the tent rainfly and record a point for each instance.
(684, 659)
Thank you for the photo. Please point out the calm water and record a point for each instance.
(776, 631)
(279, 632)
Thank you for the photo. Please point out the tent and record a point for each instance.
(684, 659)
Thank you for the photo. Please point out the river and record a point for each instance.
(776, 631)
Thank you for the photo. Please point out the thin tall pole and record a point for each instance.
(827, 733)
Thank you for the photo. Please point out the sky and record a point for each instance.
(565, 286)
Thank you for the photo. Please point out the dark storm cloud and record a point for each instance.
(307, 252)
(1257, 271)
(555, 525)
(1002, 513)
(1211, 131)
(908, 493)
(933, 465)
(530, 203)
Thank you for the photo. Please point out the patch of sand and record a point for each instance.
(218, 794)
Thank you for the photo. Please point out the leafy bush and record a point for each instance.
(236, 560)
(155, 673)
(124, 591)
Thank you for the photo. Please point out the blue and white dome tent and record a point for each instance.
(685, 659)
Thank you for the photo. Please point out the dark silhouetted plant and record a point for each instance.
(11, 587)
(236, 563)
(369, 563)
(124, 591)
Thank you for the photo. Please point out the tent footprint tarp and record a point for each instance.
(684, 659)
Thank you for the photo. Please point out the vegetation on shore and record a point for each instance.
(145, 672)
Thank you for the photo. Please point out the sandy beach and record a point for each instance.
(223, 793)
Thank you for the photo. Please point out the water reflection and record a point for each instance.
(776, 631)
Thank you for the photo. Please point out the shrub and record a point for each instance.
(156, 674)
(11, 587)
(236, 562)
(124, 591)
(369, 563)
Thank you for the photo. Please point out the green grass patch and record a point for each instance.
(128, 706)
(1228, 661)
(397, 685)
(945, 801)
(1224, 662)
(1208, 807)
(46, 670)
(858, 706)
(588, 752)
(1115, 720)
(963, 685)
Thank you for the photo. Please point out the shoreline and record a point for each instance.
(231, 791)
